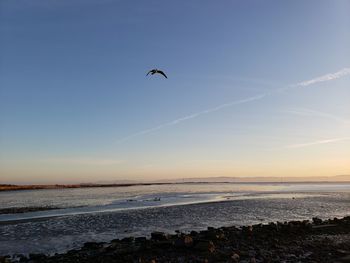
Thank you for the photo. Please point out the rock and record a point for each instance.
(235, 257)
(185, 241)
(37, 256)
(345, 259)
(21, 257)
(164, 244)
(188, 240)
(158, 236)
(316, 220)
(194, 233)
(140, 240)
(205, 246)
(92, 245)
(126, 249)
(127, 240)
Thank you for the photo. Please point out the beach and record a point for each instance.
(294, 241)
(103, 216)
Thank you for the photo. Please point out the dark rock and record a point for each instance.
(294, 241)
(92, 245)
(140, 239)
(345, 259)
(317, 221)
(205, 245)
(159, 236)
(193, 233)
(126, 249)
(37, 256)
(184, 241)
(127, 240)
(164, 244)
(235, 258)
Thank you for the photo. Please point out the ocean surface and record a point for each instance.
(103, 214)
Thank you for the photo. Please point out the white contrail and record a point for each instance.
(331, 76)
(314, 113)
(192, 116)
(327, 77)
(301, 145)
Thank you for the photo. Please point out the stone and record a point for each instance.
(184, 241)
(316, 220)
(205, 245)
(37, 256)
(235, 257)
(92, 245)
(158, 236)
(140, 240)
(127, 240)
(345, 259)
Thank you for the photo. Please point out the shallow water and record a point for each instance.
(102, 214)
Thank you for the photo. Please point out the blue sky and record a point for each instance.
(75, 104)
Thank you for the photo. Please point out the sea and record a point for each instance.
(105, 213)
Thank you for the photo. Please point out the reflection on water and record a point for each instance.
(107, 195)
(96, 200)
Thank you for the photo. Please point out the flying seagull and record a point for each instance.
(154, 71)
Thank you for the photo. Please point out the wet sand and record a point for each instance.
(20, 210)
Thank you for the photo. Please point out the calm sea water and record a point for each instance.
(102, 214)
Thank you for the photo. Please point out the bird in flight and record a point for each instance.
(154, 71)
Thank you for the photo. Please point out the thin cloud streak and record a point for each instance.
(331, 76)
(192, 116)
(301, 145)
(314, 113)
(327, 77)
(82, 161)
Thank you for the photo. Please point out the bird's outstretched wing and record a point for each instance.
(162, 73)
(150, 72)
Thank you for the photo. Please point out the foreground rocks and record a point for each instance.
(295, 241)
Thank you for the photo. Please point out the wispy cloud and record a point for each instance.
(331, 76)
(314, 113)
(301, 145)
(327, 77)
(83, 161)
(192, 116)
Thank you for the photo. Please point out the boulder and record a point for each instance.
(184, 241)
(205, 246)
(158, 236)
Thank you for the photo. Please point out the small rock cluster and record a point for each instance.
(288, 242)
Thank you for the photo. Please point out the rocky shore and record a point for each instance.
(295, 241)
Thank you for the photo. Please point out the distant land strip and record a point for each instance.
(13, 187)
(212, 180)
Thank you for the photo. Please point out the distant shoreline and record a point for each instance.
(13, 187)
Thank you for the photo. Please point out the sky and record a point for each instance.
(254, 88)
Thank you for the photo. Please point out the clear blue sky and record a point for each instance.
(75, 104)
